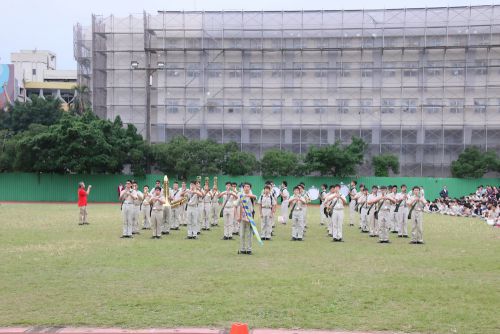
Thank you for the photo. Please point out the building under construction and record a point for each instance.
(421, 83)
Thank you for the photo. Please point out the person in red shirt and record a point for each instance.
(82, 202)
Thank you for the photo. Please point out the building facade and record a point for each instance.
(420, 83)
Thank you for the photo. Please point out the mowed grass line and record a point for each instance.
(54, 272)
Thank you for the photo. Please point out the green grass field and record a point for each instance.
(54, 272)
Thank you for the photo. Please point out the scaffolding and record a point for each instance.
(421, 83)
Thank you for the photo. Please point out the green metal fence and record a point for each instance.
(63, 188)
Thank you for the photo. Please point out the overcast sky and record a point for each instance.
(48, 24)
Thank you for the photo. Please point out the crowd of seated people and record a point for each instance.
(484, 204)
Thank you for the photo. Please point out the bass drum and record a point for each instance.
(344, 190)
(313, 193)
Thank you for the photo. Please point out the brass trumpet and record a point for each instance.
(166, 191)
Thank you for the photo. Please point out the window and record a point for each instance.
(193, 43)
(276, 70)
(193, 70)
(457, 69)
(276, 43)
(366, 70)
(409, 105)
(234, 106)
(456, 106)
(343, 106)
(255, 70)
(193, 105)
(277, 106)
(255, 106)
(234, 70)
(481, 67)
(298, 106)
(388, 106)
(410, 69)
(435, 41)
(297, 70)
(433, 69)
(366, 106)
(173, 70)
(214, 106)
(389, 69)
(434, 106)
(321, 70)
(33, 71)
(215, 70)
(320, 106)
(479, 106)
(345, 70)
(172, 106)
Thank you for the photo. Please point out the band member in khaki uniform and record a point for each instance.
(228, 198)
(192, 210)
(206, 206)
(357, 206)
(245, 228)
(137, 208)
(146, 209)
(267, 207)
(417, 204)
(402, 214)
(384, 214)
(285, 197)
(127, 197)
(214, 208)
(183, 208)
(352, 202)
(336, 202)
(167, 214)
(363, 209)
(156, 201)
(237, 212)
(297, 203)
(393, 226)
(175, 195)
(371, 203)
(322, 195)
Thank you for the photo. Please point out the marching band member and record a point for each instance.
(267, 203)
(193, 211)
(416, 203)
(214, 207)
(156, 201)
(145, 209)
(335, 202)
(228, 197)
(393, 225)
(371, 203)
(176, 212)
(137, 208)
(322, 195)
(245, 198)
(206, 205)
(384, 211)
(127, 197)
(402, 214)
(285, 196)
(237, 212)
(352, 201)
(182, 211)
(297, 202)
(363, 209)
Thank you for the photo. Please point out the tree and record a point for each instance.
(45, 111)
(382, 163)
(277, 163)
(240, 163)
(472, 163)
(335, 159)
(81, 100)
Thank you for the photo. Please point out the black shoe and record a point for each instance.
(230, 238)
(188, 237)
(394, 231)
(242, 252)
(400, 236)
(330, 235)
(130, 236)
(413, 242)
(198, 233)
(420, 242)
(249, 253)
(143, 228)
(123, 237)
(153, 237)
(351, 224)
(86, 223)
(381, 242)
(293, 239)
(405, 236)
(299, 239)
